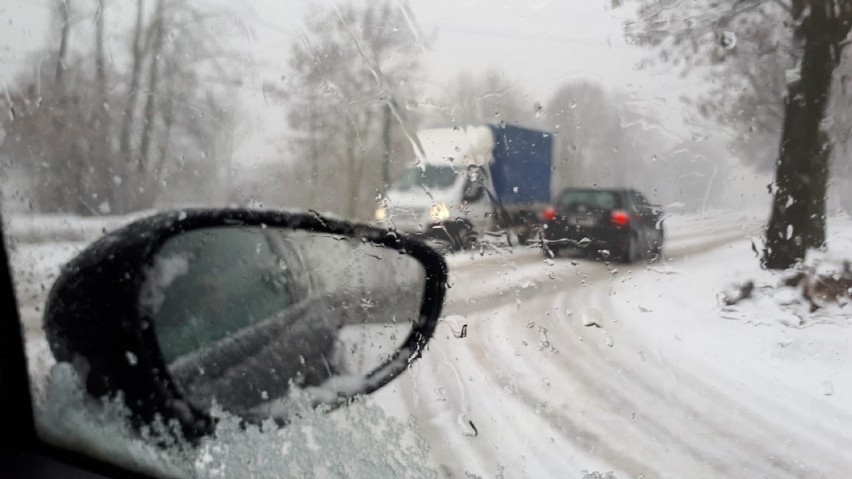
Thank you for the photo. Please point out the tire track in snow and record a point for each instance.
(778, 466)
(632, 392)
(619, 402)
(762, 436)
(498, 297)
(572, 430)
(699, 393)
(594, 390)
(515, 293)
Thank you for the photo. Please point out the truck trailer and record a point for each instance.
(466, 182)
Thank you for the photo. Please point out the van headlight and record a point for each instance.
(439, 213)
(380, 214)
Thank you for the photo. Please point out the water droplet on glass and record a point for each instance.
(728, 40)
(592, 317)
(467, 426)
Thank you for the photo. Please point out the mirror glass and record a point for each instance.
(241, 314)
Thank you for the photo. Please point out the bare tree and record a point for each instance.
(64, 8)
(134, 79)
(350, 63)
(812, 35)
(589, 135)
(488, 97)
(168, 119)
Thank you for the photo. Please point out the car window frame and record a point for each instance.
(22, 452)
(639, 202)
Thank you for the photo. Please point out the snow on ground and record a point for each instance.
(763, 341)
(48, 228)
(633, 371)
(574, 365)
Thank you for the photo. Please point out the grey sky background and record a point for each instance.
(539, 44)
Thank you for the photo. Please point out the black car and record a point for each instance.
(615, 223)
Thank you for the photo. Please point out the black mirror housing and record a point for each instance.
(94, 319)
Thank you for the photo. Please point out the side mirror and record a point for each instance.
(474, 187)
(182, 310)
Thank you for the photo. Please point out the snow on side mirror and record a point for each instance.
(240, 308)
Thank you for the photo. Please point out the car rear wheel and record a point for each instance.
(630, 251)
(550, 251)
(657, 246)
(463, 238)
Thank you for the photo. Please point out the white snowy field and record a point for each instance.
(572, 365)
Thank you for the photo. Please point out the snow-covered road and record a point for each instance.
(570, 364)
(563, 370)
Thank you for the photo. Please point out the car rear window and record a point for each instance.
(605, 200)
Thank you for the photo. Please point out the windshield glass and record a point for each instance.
(648, 273)
(429, 176)
(602, 200)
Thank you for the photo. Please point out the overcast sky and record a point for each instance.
(537, 43)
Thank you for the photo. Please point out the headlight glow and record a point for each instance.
(380, 214)
(439, 213)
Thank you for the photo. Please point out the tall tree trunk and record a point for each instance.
(386, 146)
(314, 153)
(100, 63)
(797, 221)
(133, 83)
(351, 200)
(67, 158)
(159, 166)
(143, 166)
(65, 12)
(129, 113)
(101, 155)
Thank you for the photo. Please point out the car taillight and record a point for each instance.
(549, 214)
(620, 218)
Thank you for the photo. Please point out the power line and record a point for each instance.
(522, 36)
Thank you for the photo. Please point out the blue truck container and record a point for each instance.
(522, 166)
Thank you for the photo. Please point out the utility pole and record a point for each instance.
(386, 145)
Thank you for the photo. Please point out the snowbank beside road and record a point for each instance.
(52, 228)
(798, 366)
